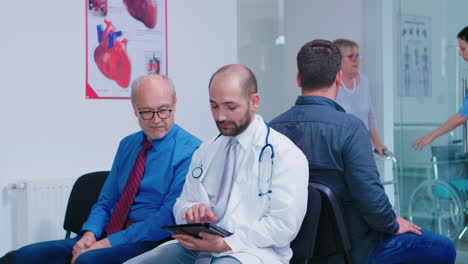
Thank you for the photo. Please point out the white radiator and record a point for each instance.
(38, 210)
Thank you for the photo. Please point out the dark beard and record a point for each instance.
(238, 129)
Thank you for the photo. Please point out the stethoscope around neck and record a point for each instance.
(260, 157)
(197, 172)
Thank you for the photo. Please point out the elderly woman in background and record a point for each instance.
(353, 93)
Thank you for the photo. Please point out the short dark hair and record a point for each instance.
(463, 34)
(247, 78)
(318, 63)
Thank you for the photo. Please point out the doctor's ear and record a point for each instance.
(254, 101)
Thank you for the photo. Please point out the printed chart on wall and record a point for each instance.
(125, 39)
(415, 56)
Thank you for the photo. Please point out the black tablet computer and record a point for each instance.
(194, 229)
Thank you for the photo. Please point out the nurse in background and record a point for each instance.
(353, 93)
(458, 118)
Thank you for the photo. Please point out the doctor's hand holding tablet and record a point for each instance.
(200, 213)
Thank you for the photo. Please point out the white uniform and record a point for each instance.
(263, 226)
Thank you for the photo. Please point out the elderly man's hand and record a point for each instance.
(103, 243)
(84, 246)
(85, 242)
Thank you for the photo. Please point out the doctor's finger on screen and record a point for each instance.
(199, 213)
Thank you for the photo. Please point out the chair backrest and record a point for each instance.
(8, 258)
(304, 243)
(83, 196)
(332, 236)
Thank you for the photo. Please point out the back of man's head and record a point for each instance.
(463, 34)
(318, 63)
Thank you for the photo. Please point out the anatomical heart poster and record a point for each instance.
(125, 39)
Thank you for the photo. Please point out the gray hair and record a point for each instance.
(137, 81)
(343, 44)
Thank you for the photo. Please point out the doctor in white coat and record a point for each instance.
(268, 196)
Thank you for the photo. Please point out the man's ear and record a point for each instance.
(339, 77)
(254, 101)
(135, 110)
(174, 103)
(298, 80)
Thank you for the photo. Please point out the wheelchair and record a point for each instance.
(441, 204)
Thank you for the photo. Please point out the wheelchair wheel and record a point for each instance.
(435, 205)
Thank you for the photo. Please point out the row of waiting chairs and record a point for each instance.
(323, 233)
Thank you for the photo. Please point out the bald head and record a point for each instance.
(155, 80)
(236, 73)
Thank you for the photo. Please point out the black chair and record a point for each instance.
(84, 194)
(8, 258)
(304, 243)
(332, 236)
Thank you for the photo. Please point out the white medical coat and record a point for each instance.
(264, 226)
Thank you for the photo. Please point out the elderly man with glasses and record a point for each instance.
(146, 178)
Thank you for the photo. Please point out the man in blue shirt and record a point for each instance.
(338, 149)
(167, 161)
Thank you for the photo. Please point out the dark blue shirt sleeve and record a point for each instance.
(362, 179)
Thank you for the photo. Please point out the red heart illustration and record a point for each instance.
(110, 55)
(143, 10)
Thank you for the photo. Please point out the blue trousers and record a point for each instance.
(176, 254)
(60, 252)
(428, 248)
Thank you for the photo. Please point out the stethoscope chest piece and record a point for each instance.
(197, 172)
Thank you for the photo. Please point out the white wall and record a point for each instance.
(48, 129)
(307, 20)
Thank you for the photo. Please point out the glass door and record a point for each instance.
(433, 181)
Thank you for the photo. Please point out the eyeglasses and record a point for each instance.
(148, 115)
(354, 56)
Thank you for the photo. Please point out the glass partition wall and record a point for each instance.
(430, 74)
(425, 86)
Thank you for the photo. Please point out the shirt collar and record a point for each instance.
(158, 142)
(318, 100)
(245, 138)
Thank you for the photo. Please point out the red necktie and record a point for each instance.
(121, 210)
